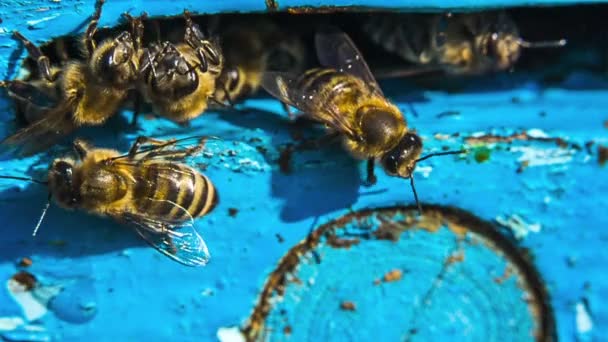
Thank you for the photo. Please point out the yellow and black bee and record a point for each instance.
(346, 98)
(250, 48)
(457, 43)
(79, 93)
(147, 188)
(178, 80)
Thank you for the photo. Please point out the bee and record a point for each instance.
(457, 43)
(345, 96)
(248, 53)
(80, 93)
(148, 188)
(178, 80)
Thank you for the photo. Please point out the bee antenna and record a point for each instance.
(25, 179)
(542, 44)
(46, 208)
(439, 154)
(415, 194)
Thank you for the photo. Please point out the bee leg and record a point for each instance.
(44, 65)
(142, 140)
(287, 110)
(137, 28)
(371, 177)
(81, 148)
(89, 42)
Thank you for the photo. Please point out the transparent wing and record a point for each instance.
(336, 50)
(284, 86)
(168, 150)
(37, 95)
(44, 133)
(178, 240)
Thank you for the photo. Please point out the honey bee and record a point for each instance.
(346, 98)
(457, 43)
(81, 92)
(248, 53)
(178, 80)
(147, 188)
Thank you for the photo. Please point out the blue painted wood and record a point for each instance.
(115, 287)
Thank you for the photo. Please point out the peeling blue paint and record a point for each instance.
(119, 288)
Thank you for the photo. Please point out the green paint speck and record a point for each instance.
(482, 154)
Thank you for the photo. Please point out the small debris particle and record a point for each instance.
(439, 136)
(561, 143)
(232, 212)
(522, 166)
(505, 276)
(25, 262)
(448, 113)
(287, 330)
(280, 238)
(571, 261)
(393, 275)
(337, 242)
(57, 243)
(255, 140)
(542, 114)
(377, 282)
(588, 145)
(26, 279)
(605, 121)
(348, 306)
(455, 258)
(602, 152)
(231, 153)
(285, 159)
(482, 154)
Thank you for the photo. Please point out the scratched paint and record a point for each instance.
(114, 280)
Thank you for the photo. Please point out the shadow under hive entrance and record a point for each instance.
(391, 275)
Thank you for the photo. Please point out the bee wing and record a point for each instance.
(283, 86)
(178, 240)
(171, 150)
(43, 133)
(336, 50)
(27, 92)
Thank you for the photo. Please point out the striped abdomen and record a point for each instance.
(169, 190)
(236, 83)
(333, 88)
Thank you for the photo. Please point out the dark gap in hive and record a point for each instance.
(582, 25)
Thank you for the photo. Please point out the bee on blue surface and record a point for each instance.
(345, 96)
(79, 93)
(179, 80)
(456, 43)
(149, 188)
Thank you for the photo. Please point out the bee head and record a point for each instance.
(169, 74)
(61, 183)
(116, 63)
(379, 126)
(502, 47)
(401, 160)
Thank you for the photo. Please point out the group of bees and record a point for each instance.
(151, 187)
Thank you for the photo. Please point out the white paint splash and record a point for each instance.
(41, 20)
(230, 334)
(537, 133)
(535, 156)
(424, 170)
(518, 225)
(584, 322)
